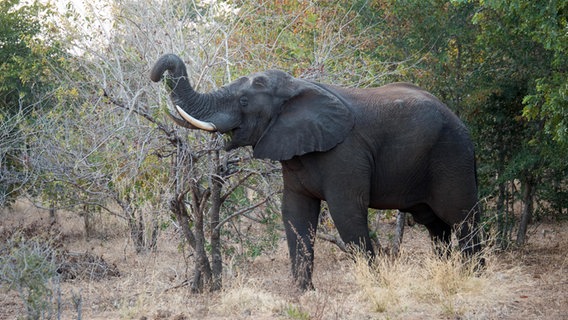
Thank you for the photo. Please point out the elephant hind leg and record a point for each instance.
(469, 238)
(440, 231)
(441, 235)
(351, 222)
(469, 234)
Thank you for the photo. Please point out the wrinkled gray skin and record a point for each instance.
(392, 147)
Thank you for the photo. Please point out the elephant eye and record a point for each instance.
(244, 101)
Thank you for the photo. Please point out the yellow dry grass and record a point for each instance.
(428, 286)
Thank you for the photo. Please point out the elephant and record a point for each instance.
(390, 147)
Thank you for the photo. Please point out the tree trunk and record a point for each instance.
(197, 281)
(52, 215)
(135, 224)
(177, 206)
(88, 223)
(502, 217)
(397, 241)
(216, 257)
(526, 215)
(203, 267)
(154, 236)
(136, 233)
(195, 236)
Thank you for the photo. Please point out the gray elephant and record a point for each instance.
(391, 147)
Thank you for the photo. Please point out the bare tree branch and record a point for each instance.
(242, 211)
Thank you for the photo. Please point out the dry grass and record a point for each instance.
(246, 297)
(427, 286)
(528, 284)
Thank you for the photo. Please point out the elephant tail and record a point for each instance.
(478, 204)
(475, 170)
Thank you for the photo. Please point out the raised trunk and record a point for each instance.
(205, 109)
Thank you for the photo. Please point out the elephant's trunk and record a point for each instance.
(190, 104)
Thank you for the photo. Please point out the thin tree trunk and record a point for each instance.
(216, 257)
(399, 233)
(502, 223)
(135, 231)
(196, 237)
(177, 206)
(136, 225)
(203, 267)
(87, 222)
(526, 216)
(52, 215)
(140, 230)
(154, 236)
(197, 281)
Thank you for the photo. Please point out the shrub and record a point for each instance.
(29, 267)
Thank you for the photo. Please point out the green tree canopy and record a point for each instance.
(543, 25)
(29, 49)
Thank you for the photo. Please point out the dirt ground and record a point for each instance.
(527, 283)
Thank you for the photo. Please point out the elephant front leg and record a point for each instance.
(300, 215)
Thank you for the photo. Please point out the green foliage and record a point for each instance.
(13, 171)
(29, 267)
(521, 43)
(329, 41)
(251, 244)
(539, 34)
(29, 49)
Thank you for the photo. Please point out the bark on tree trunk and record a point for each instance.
(195, 235)
(528, 197)
(503, 223)
(177, 206)
(216, 257)
(397, 241)
(136, 230)
(203, 267)
(88, 223)
(52, 215)
(197, 281)
(153, 245)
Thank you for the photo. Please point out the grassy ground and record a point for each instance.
(529, 283)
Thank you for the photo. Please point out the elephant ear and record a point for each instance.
(312, 119)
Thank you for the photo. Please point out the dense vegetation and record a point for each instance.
(83, 129)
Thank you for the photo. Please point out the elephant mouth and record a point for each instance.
(238, 137)
(231, 144)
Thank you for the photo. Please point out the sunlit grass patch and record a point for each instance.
(426, 283)
(382, 290)
(247, 298)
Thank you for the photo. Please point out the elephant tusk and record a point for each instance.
(207, 126)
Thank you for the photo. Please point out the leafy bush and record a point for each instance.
(29, 267)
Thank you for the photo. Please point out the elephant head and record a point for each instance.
(278, 115)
